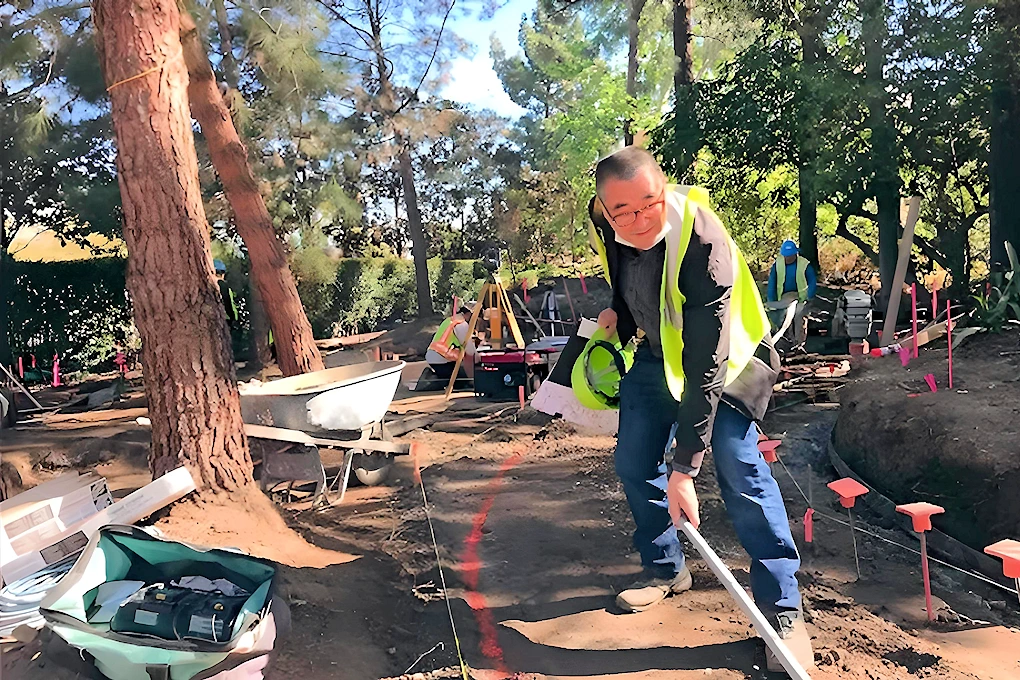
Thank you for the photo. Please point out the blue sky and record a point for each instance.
(472, 80)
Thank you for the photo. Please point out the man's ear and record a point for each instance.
(597, 211)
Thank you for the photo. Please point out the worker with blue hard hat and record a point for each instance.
(792, 280)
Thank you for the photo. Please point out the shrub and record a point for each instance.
(366, 292)
(79, 309)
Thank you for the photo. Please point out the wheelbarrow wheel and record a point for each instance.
(372, 469)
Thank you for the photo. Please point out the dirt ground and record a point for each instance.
(956, 448)
(533, 532)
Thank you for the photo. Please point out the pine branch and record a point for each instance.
(432, 60)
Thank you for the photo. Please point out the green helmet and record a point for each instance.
(597, 372)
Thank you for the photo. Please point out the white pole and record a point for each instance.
(761, 624)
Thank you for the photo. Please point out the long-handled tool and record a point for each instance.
(761, 624)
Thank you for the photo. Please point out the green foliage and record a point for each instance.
(79, 310)
(999, 306)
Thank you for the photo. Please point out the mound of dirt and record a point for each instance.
(955, 448)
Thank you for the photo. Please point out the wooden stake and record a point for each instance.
(896, 290)
(949, 330)
(913, 314)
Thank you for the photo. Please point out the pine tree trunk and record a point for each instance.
(683, 46)
(6, 281)
(228, 64)
(633, 35)
(296, 351)
(684, 122)
(807, 212)
(1004, 173)
(885, 184)
(1004, 169)
(419, 248)
(258, 326)
(809, 29)
(189, 371)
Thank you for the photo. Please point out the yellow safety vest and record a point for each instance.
(748, 321)
(445, 342)
(802, 287)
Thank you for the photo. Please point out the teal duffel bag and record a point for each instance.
(160, 633)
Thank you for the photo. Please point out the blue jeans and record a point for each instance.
(753, 500)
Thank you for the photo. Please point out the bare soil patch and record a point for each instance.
(955, 448)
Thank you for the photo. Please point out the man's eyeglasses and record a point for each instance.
(628, 218)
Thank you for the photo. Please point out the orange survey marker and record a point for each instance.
(1009, 551)
(848, 490)
(768, 449)
(920, 514)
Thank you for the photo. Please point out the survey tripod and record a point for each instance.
(494, 298)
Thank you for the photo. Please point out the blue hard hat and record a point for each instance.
(219, 267)
(788, 248)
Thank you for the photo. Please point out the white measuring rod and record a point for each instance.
(761, 624)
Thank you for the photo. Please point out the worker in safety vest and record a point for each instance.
(792, 280)
(450, 337)
(229, 301)
(701, 376)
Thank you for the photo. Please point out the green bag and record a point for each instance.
(124, 553)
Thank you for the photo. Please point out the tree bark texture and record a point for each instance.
(228, 64)
(1004, 167)
(683, 46)
(419, 248)
(885, 186)
(809, 29)
(189, 371)
(635, 7)
(296, 351)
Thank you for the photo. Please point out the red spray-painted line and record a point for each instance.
(470, 565)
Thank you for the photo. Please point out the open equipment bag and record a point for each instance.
(125, 553)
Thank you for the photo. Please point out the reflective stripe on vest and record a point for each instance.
(748, 321)
(802, 287)
(445, 342)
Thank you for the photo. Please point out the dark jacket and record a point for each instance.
(705, 280)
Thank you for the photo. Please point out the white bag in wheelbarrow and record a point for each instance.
(123, 553)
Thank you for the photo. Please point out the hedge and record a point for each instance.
(366, 292)
(81, 309)
(78, 309)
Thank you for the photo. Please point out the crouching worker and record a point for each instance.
(700, 378)
(450, 337)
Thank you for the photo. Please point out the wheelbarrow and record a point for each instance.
(297, 420)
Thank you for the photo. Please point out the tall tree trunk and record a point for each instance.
(189, 371)
(684, 121)
(419, 248)
(229, 65)
(635, 7)
(683, 46)
(6, 358)
(388, 104)
(885, 185)
(1004, 169)
(296, 351)
(809, 30)
(258, 323)
(258, 326)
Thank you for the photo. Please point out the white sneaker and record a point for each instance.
(651, 592)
